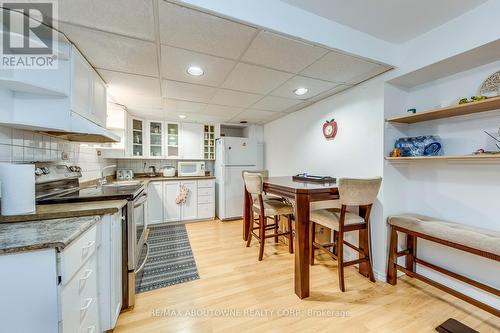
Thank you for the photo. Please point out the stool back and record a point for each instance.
(359, 192)
(253, 183)
(263, 173)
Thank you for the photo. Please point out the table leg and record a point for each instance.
(363, 243)
(246, 214)
(302, 250)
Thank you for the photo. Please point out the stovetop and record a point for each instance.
(95, 194)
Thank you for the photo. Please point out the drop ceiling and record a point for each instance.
(142, 49)
(395, 21)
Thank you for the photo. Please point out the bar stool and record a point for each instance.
(266, 209)
(353, 192)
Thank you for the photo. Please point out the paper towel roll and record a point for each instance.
(18, 188)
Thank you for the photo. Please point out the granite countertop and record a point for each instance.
(27, 236)
(66, 210)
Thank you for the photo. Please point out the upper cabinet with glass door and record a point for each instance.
(173, 140)
(156, 139)
(138, 137)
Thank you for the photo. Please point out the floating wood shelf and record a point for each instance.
(450, 111)
(446, 158)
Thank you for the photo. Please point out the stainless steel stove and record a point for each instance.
(60, 184)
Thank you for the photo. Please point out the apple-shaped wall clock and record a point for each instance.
(330, 129)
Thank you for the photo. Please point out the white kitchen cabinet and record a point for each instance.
(189, 209)
(137, 136)
(76, 290)
(191, 141)
(155, 202)
(171, 210)
(155, 135)
(88, 90)
(109, 270)
(173, 140)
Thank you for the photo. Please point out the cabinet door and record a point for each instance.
(136, 133)
(192, 141)
(99, 100)
(171, 210)
(80, 85)
(155, 202)
(189, 209)
(116, 267)
(172, 140)
(155, 134)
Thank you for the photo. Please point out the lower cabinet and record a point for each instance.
(199, 205)
(76, 290)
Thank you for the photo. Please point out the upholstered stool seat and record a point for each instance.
(273, 208)
(330, 218)
(477, 238)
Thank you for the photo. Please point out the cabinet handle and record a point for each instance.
(88, 303)
(87, 275)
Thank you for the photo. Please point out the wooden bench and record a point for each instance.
(481, 242)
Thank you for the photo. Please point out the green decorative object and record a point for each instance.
(412, 110)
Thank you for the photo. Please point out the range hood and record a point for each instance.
(83, 130)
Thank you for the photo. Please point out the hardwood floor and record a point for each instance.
(236, 293)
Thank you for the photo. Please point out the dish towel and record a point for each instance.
(182, 196)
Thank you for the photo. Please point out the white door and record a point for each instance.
(171, 210)
(233, 191)
(99, 99)
(116, 268)
(155, 202)
(192, 141)
(239, 151)
(189, 209)
(80, 85)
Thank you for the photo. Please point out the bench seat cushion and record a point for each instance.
(477, 238)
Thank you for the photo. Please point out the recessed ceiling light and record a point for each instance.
(182, 116)
(195, 70)
(300, 91)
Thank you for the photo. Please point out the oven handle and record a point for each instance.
(141, 200)
(145, 259)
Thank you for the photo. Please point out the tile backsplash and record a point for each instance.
(21, 146)
(137, 166)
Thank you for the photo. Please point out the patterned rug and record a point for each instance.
(170, 258)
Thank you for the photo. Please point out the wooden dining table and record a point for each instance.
(303, 193)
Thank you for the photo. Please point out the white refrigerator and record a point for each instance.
(233, 155)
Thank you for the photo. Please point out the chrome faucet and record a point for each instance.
(102, 181)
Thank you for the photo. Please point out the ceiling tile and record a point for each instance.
(175, 63)
(110, 51)
(340, 68)
(188, 91)
(276, 115)
(183, 106)
(315, 87)
(252, 116)
(255, 79)
(330, 92)
(273, 103)
(194, 30)
(136, 101)
(234, 98)
(122, 83)
(272, 50)
(128, 17)
(222, 111)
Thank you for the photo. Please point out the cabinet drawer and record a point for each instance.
(90, 323)
(205, 191)
(73, 257)
(205, 199)
(79, 296)
(206, 211)
(206, 183)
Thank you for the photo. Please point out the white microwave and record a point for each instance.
(191, 169)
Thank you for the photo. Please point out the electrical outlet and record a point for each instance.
(64, 156)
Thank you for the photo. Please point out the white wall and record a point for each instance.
(295, 144)
(458, 191)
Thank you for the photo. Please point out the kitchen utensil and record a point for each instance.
(168, 171)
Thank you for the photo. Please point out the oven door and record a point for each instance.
(137, 227)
